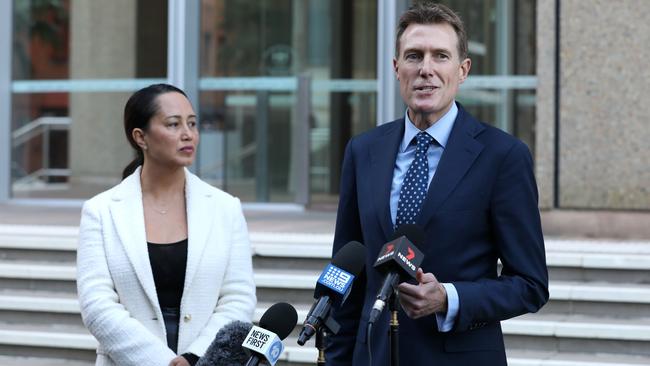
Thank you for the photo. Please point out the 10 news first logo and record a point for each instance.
(264, 342)
(336, 279)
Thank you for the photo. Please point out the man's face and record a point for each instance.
(429, 69)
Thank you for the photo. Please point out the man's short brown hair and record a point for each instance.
(431, 13)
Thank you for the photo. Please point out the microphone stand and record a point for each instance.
(329, 326)
(321, 337)
(393, 333)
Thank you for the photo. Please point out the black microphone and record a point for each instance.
(333, 287)
(226, 349)
(264, 342)
(398, 259)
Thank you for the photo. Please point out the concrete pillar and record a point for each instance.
(604, 129)
(545, 108)
(103, 41)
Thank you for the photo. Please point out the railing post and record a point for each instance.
(6, 34)
(300, 140)
(262, 180)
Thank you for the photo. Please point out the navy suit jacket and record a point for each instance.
(481, 207)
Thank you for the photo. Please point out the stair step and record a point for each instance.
(306, 280)
(545, 358)
(40, 271)
(40, 336)
(37, 361)
(38, 302)
(577, 326)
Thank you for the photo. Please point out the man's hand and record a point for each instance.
(179, 361)
(425, 298)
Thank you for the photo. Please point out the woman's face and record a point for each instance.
(172, 136)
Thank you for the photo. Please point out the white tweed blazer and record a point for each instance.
(117, 294)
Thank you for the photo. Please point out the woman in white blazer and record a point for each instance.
(164, 259)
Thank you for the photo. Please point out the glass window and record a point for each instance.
(75, 62)
(501, 36)
(252, 52)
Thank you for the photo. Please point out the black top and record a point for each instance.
(168, 263)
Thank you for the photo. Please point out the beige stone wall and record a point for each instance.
(604, 106)
(545, 119)
(604, 132)
(103, 37)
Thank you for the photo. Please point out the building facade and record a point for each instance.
(281, 85)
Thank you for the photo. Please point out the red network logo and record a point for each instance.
(389, 248)
(411, 253)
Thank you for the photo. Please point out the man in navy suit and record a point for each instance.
(468, 185)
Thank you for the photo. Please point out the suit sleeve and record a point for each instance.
(348, 228)
(122, 337)
(516, 230)
(237, 295)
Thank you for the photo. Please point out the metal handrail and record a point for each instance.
(39, 126)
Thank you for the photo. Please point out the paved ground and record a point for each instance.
(317, 222)
(626, 225)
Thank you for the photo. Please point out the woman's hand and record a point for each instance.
(179, 361)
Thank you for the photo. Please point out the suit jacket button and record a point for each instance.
(187, 318)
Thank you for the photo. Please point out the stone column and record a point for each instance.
(103, 41)
(604, 109)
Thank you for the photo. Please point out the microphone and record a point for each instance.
(264, 342)
(226, 349)
(333, 287)
(398, 259)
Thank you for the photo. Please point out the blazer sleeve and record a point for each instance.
(516, 231)
(122, 337)
(348, 228)
(237, 294)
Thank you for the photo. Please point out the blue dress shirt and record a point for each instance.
(440, 131)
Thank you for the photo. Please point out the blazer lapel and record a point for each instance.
(128, 217)
(200, 218)
(459, 155)
(382, 164)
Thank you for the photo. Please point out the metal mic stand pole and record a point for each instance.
(329, 326)
(321, 337)
(393, 333)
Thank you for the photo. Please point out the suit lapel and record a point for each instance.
(459, 155)
(200, 218)
(128, 216)
(382, 164)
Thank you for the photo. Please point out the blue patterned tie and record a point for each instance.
(414, 187)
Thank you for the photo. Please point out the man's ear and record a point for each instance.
(396, 68)
(463, 69)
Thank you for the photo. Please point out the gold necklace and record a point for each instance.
(161, 212)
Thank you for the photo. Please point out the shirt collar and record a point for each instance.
(440, 130)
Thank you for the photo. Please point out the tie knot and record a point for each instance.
(424, 139)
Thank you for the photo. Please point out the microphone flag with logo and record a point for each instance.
(398, 259)
(264, 342)
(332, 288)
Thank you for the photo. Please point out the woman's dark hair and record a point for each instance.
(139, 109)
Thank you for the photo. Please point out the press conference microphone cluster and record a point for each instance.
(239, 343)
(226, 348)
(398, 259)
(332, 288)
(264, 342)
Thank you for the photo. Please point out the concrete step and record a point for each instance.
(570, 333)
(297, 286)
(37, 361)
(541, 358)
(575, 328)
